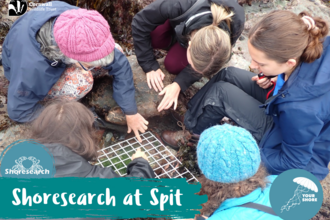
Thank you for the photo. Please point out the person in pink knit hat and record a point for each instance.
(49, 54)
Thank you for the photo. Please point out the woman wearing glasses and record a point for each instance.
(38, 52)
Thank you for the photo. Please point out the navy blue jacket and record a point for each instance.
(300, 136)
(31, 76)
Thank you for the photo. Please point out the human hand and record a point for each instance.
(265, 82)
(136, 123)
(139, 153)
(155, 80)
(171, 92)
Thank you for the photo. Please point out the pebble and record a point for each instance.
(241, 38)
(108, 137)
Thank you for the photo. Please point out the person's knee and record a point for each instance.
(237, 74)
(173, 65)
(176, 59)
(161, 37)
(219, 87)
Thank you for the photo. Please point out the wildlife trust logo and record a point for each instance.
(19, 168)
(296, 194)
(17, 7)
(27, 159)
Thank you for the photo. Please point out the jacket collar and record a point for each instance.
(307, 81)
(252, 197)
(230, 203)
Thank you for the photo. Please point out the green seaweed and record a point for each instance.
(119, 165)
(115, 160)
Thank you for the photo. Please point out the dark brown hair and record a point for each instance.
(219, 192)
(68, 123)
(283, 35)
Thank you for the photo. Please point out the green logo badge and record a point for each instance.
(296, 194)
(27, 159)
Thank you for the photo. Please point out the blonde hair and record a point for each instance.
(210, 46)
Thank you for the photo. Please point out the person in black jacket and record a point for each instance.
(66, 129)
(198, 35)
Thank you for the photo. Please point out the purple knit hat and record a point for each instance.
(83, 35)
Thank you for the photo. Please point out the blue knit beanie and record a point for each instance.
(227, 154)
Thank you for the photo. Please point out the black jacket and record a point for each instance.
(70, 164)
(159, 11)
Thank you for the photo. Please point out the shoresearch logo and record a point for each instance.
(17, 7)
(33, 168)
(296, 194)
(27, 159)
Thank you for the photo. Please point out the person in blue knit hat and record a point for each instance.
(236, 183)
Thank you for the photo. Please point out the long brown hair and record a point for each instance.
(210, 46)
(283, 35)
(69, 123)
(219, 192)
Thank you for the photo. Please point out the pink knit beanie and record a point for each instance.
(83, 35)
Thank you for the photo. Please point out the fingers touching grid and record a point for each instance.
(162, 161)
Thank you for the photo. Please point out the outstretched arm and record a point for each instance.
(124, 92)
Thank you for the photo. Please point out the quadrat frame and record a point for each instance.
(161, 159)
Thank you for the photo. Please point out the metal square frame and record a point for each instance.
(161, 159)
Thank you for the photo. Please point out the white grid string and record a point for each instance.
(118, 156)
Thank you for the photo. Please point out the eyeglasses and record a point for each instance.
(86, 69)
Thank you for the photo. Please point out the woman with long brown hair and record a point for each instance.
(66, 129)
(293, 126)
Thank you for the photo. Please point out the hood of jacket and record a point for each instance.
(39, 17)
(182, 28)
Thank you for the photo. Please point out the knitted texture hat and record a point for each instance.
(227, 154)
(83, 35)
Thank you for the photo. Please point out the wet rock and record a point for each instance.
(267, 5)
(14, 133)
(293, 3)
(5, 25)
(5, 121)
(147, 99)
(4, 83)
(108, 137)
(247, 26)
(242, 2)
